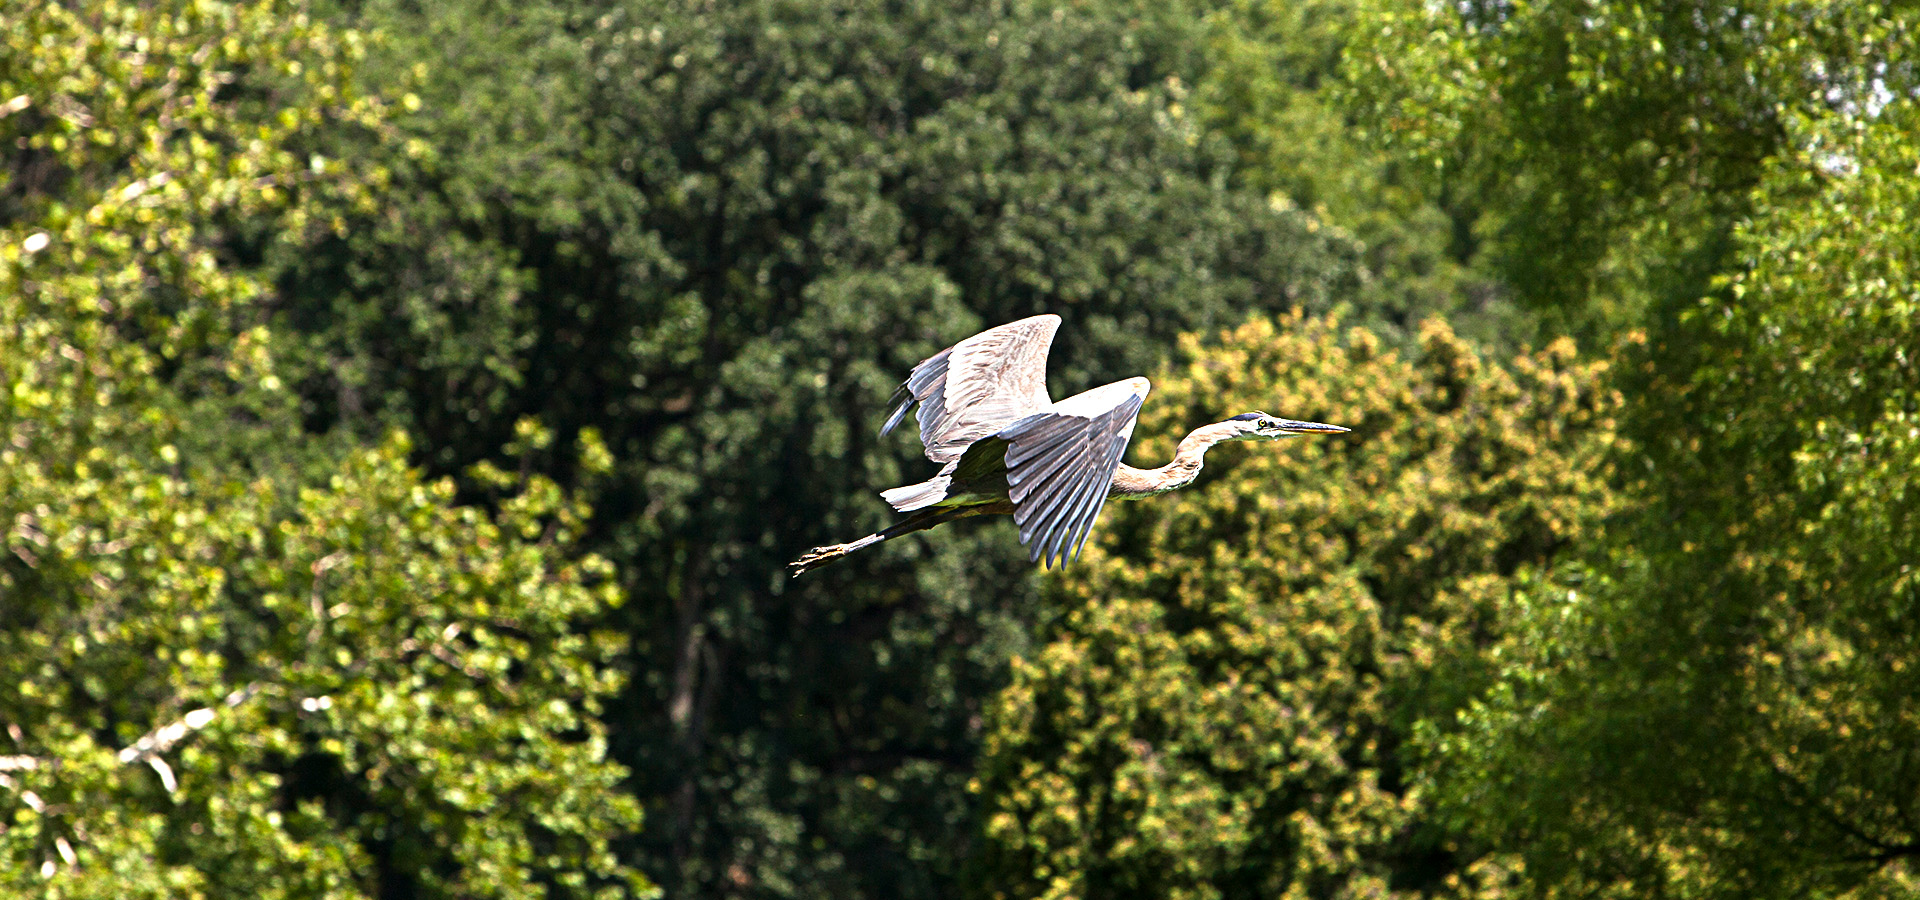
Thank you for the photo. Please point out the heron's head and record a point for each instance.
(1258, 426)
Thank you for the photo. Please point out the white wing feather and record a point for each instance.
(978, 386)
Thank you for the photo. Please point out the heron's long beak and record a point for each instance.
(1292, 427)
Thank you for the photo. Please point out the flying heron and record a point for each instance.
(1005, 447)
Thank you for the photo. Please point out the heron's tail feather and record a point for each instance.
(820, 556)
(918, 496)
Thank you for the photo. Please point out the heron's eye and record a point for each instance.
(1269, 423)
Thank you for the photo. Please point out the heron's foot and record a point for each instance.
(817, 557)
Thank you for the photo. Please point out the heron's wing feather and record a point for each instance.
(1060, 464)
(978, 387)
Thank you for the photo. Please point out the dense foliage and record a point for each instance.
(1720, 705)
(720, 234)
(1728, 709)
(235, 666)
(409, 405)
(1277, 90)
(1220, 707)
(1609, 147)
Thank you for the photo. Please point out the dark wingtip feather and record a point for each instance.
(923, 388)
(903, 403)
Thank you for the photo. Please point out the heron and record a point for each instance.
(1005, 447)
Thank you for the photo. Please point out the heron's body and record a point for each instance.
(1007, 448)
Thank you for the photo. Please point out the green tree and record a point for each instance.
(720, 234)
(239, 663)
(1609, 147)
(1220, 705)
(1275, 87)
(1728, 709)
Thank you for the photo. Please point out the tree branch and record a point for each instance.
(149, 747)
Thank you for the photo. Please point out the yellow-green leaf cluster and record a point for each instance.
(1219, 708)
(239, 663)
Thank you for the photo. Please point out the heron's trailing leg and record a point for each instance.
(1006, 447)
(820, 556)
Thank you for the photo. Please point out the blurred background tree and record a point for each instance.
(629, 284)
(721, 235)
(1728, 710)
(1607, 148)
(1276, 87)
(238, 662)
(1218, 707)
(1718, 706)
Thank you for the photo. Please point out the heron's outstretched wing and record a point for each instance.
(1060, 463)
(978, 386)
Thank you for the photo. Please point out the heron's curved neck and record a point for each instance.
(1130, 482)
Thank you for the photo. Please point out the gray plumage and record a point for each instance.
(1006, 447)
(976, 387)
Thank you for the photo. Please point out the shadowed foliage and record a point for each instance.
(409, 407)
(721, 234)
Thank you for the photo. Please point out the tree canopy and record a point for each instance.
(409, 407)
(229, 672)
(1715, 704)
(1727, 709)
(1220, 707)
(720, 235)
